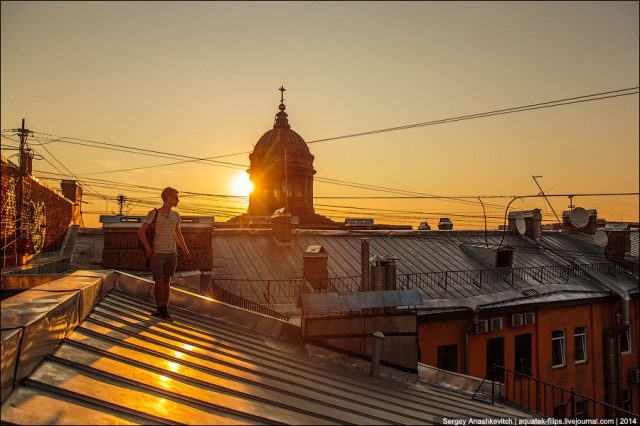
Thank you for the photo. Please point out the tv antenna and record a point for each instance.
(545, 197)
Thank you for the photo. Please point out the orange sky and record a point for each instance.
(200, 79)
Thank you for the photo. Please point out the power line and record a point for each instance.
(161, 154)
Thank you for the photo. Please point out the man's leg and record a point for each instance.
(165, 291)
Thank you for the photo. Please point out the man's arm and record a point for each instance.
(142, 235)
(180, 241)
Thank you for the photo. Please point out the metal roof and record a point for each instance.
(119, 365)
(439, 266)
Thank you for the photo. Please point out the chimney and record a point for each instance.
(445, 224)
(26, 161)
(589, 228)
(71, 190)
(281, 222)
(315, 268)
(377, 274)
(390, 273)
(619, 240)
(532, 222)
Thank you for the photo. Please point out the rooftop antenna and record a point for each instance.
(285, 190)
(545, 197)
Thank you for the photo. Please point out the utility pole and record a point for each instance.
(23, 141)
(121, 200)
(545, 197)
(19, 247)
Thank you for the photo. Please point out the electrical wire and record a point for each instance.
(547, 104)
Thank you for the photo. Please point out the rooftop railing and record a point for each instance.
(445, 284)
(549, 400)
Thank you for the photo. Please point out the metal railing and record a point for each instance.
(225, 296)
(479, 277)
(287, 291)
(549, 400)
(283, 291)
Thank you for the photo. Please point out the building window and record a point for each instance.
(557, 348)
(523, 353)
(581, 409)
(448, 357)
(626, 399)
(625, 341)
(580, 344)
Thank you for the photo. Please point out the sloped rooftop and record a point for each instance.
(434, 262)
(88, 352)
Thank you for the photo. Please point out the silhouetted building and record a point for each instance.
(281, 170)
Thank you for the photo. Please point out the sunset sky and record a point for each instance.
(201, 79)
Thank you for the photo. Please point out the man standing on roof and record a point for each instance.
(163, 255)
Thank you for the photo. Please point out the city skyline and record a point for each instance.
(200, 80)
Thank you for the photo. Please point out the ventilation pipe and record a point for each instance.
(375, 354)
(466, 341)
(364, 263)
(390, 272)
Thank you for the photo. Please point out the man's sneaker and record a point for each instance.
(166, 316)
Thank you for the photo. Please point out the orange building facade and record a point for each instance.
(561, 343)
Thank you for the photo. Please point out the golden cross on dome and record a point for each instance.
(282, 90)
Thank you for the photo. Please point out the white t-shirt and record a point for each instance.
(164, 240)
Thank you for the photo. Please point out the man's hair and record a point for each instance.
(168, 192)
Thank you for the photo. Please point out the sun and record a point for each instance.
(241, 185)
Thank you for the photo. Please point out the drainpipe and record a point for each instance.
(612, 356)
(466, 341)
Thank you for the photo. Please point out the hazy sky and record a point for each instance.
(201, 78)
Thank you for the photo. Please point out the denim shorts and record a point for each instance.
(163, 265)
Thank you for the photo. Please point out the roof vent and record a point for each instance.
(358, 222)
(492, 255)
(445, 224)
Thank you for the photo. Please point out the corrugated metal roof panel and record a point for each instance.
(122, 366)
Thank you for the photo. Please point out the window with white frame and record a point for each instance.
(580, 344)
(625, 341)
(558, 358)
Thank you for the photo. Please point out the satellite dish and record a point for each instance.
(600, 238)
(579, 217)
(521, 226)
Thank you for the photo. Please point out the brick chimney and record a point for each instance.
(619, 235)
(532, 222)
(590, 228)
(282, 226)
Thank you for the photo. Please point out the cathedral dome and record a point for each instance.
(272, 145)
